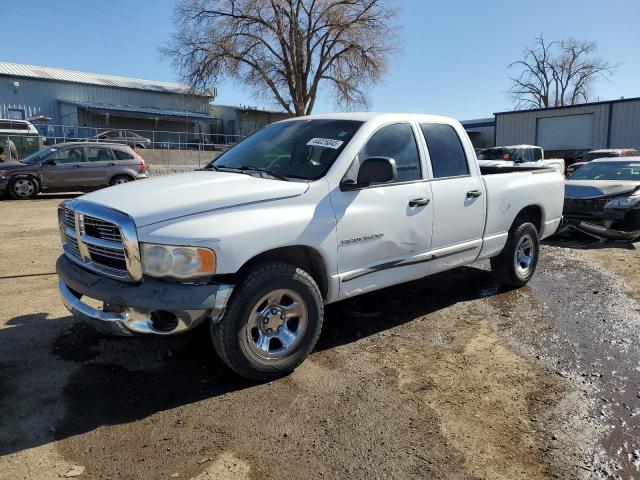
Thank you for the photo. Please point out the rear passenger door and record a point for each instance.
(99, 161)
(458, 198)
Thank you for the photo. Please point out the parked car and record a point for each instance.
(18, 138)
(302, 213)
(602, 198)
(71, 167)
(518, 155)
(602, 153)
(124, 137)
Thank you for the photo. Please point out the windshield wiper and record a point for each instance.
(246, 168)
(271, 173)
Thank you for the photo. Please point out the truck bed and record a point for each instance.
(496, 170)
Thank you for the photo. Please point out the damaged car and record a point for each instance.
(602, 199)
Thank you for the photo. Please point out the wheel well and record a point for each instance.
(121, 175)
(26, 175)
(533, 214)
(299, 256)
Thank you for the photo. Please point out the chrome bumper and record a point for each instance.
(136, 306)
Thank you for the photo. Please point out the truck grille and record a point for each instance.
(95, 242)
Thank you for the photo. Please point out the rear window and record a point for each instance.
(445, 150)
(122, 155)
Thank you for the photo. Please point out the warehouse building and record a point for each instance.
(57, 98)
(568, 132)
(481, 131)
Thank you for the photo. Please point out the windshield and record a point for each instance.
(625, 171)
(37, 156)
(302, 149)
(505, 154)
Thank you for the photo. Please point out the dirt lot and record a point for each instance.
(448, 377)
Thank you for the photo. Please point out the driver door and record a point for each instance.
(64, 172)
(384, 230)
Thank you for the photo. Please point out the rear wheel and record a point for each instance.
(518, 260)
(120, 179)
(24, 188)
(272, 322)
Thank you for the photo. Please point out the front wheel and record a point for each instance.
(24, 188)
(518, 260)
(272, 322)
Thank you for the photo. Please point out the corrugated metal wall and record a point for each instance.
(625, 125)
(521, 126)
(40, 97)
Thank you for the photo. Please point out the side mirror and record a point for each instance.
(48, 163)
(373, 170)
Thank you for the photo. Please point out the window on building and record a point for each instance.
(398, 142)
(445, 150)
(16, 113)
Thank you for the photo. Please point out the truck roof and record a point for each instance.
(512, 146)
(366, 116)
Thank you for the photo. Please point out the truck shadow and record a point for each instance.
(111, 381)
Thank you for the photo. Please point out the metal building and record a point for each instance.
(88, 100)
(481, 131)
(569, 131)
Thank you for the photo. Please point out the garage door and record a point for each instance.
(565, 133)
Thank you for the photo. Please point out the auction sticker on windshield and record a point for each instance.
(325, 142)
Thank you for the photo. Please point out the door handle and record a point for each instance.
(419, 202)
(474, 193)
(111, 164)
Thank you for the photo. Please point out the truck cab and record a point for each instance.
(303, 213)
(518, 155)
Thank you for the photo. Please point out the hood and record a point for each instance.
(597, 188)
(172, 196)
(12, 165)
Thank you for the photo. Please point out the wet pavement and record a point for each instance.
(584, 327)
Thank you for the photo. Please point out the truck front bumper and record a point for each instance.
(151, 307)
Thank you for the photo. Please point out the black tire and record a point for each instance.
(24, 188)
(232, 336)
(140, 147)
(508, 267)
(120, 179)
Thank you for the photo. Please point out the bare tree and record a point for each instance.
(286, 48)
(557, 73)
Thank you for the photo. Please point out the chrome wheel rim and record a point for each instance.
(525, 255)
(120, 181)
(276, 324)
(24, 187)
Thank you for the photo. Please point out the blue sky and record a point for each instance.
(453, 60)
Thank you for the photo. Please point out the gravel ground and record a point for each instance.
(448, 377)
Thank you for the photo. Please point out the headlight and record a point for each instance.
(4, 173)
(177, 261)
(623, 202)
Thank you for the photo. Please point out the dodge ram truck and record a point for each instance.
(303, 213)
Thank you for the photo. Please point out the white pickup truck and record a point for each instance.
(520, 156)
(302, 213)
